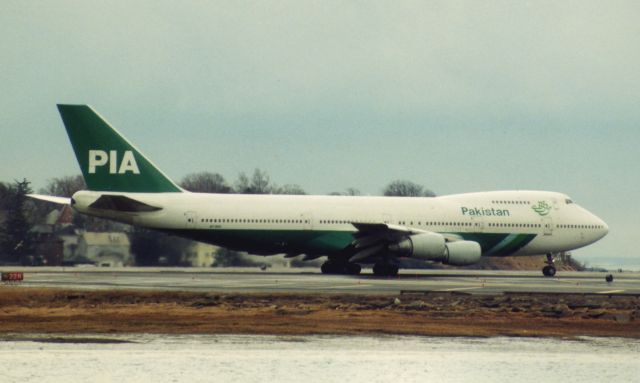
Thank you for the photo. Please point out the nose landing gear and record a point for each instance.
(550, 269)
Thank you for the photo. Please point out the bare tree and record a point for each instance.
(291, 189)
(259, 183)
(206, 182)
(348, 192)
(352, 192)
(64, 186)
(403, 188)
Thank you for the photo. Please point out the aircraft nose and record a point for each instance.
(605, 228)
(602, 226)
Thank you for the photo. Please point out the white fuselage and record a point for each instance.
(504, 222)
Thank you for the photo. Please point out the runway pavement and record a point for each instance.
(311, 281)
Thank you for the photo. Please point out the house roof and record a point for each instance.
(66, 216)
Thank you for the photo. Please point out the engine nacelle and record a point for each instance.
(462, 253)
(433, 247)
(428, 246)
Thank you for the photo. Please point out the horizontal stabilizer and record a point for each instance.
(122, 203)
(50, 198)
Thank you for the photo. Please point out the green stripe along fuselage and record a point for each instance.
(329, 242)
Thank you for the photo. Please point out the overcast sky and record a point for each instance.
(457, 96)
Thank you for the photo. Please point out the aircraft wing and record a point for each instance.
(365, 228)
(50, 198)
(372, 238)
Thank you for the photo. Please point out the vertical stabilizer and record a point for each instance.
(107, 160)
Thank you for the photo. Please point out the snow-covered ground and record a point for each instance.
(273, 359)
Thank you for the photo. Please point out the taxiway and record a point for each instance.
(311, 281)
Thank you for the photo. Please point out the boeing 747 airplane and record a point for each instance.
(123, 185)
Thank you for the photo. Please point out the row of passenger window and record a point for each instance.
(438, 223)
(506, 202)
(503, 224)
(463, 224)
(410, 223)
(248, 220)
(580, 226)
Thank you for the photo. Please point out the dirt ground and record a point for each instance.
(28, 310)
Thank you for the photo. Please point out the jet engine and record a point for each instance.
(433, 247)
(462, 253)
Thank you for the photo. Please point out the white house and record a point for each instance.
(105, 249)
(199, 254)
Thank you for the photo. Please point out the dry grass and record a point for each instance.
(118, 311)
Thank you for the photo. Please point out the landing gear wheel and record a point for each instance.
(329, 268)
(353, 269)
(549, 271)
(385, 270)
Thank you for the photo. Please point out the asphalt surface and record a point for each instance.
(311, 281)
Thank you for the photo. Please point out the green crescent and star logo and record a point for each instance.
(542, 208)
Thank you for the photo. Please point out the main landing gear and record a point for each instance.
(550, 269)
(381, 269)
(334, 267)
(385, 269)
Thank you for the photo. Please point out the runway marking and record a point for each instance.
(250, 281)
(249, 285)
(610, 292)
(345, 286)
(463, 288)
(409, 282)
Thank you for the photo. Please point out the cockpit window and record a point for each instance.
(568, 201)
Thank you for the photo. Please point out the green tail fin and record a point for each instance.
(108, 161)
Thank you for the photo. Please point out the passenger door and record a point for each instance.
(190, 218)
(477, 224)
(547, 225)
(307, 221)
